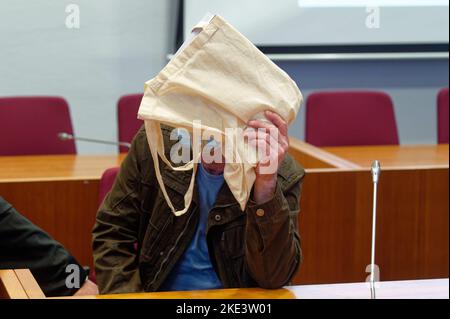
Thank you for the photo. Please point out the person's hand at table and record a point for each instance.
(88, 289)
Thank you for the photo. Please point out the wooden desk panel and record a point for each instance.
(59, 194)
(412, 227)
(394, 156)
(64, 209)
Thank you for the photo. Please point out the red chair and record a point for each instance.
(105, 186)
(443, 116)
(128, 123)
(350, 118)
(30, 126)
(106, 183)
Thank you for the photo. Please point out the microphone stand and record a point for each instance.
(376, 171)
(65, 137)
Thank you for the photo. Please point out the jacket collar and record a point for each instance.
(179, 182)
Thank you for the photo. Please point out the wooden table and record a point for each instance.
(394, 156)
(20, 284)
(55, 167)
(420, 289)
(59, 193)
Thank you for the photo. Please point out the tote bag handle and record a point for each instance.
(156, 144)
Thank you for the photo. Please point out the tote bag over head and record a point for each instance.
(222, 80)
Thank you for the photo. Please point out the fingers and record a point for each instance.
(278, 122)
(260, 124)
(265, 143)
(275, 121)
(270, 139)
(251, 134)
(273, 138)
(268, 157)
(261, 129)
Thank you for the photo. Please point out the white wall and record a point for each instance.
(120, 45)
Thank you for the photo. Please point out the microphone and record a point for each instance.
(66, 137)
(376, 172)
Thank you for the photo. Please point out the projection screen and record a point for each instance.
(288, 23)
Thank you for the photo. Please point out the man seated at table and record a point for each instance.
(25, 246)
(139, 245)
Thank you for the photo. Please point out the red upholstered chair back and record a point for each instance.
(129, 124)
(443, 116)
(106, 183)
(350, 118)
(30, 126)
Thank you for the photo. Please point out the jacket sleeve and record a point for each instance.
(115, 233)
(273, 252)
(25, 246)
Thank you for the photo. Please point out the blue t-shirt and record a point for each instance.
(194, 270)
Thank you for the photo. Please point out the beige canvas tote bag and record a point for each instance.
(221, 79)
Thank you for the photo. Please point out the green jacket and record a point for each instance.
(137, 240)
(25, 246)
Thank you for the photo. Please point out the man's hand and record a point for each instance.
(273, 140)
(88, 289)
